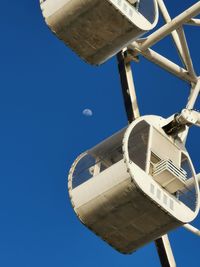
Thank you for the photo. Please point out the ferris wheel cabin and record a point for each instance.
(98, 29)
(135, 186)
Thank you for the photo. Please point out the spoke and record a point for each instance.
(171, 26)
(194, 22)
(174, 34)
(165, 252)
(174, 27)
(163, 62)
(186, 52)
(193, 95)
(128, 87)
(192, 229)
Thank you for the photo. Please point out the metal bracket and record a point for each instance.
(181, 121)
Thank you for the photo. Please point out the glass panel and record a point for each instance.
(93, 164)
(185, 165)
(188, 194)
(83, 170)
(138, 144)
(147, 9)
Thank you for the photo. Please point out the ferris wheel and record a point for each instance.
(139, 184)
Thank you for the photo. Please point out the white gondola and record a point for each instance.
(140, 183)
(98, 29)
(135, 186)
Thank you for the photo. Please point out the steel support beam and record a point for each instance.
(142, 47)
(193, 95)
(174, 34)
(165, 252)
(186, 53)
(179, 40)
(128, 88)
(163, 62)
(192, 229)
(171, 26)
(193, 22)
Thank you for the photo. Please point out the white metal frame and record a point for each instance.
(143, 181)
(175, 28)
(185, 72)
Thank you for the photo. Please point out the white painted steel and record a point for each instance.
(189, 117)
(192, 229)
(163, 62)
(143, 181)
(131, 89)
(96, 29)
(118, 203)
(179, 40)
(194, 22)
(174, 34)
(193, 95)
(171, 26)
(167, 260)
(186, 53)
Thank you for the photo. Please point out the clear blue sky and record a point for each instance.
(44, 88)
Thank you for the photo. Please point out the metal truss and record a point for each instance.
(175, 28)
(186, 72)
